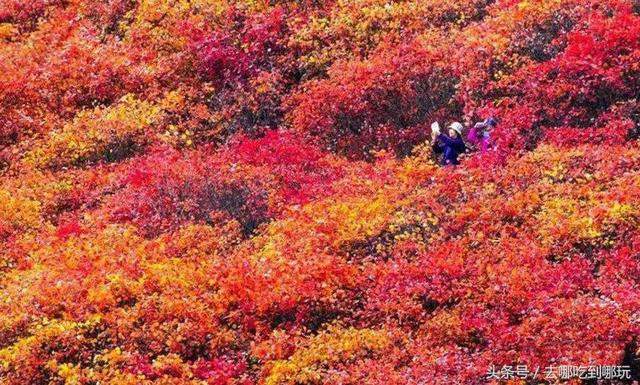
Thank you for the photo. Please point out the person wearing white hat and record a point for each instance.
(457, 128)
(451, 146)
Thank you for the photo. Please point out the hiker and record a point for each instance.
(480, 134)
(451, 146)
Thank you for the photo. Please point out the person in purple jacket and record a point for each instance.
(480, 134)
(450, 146)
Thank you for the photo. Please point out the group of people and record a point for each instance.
(449, 146)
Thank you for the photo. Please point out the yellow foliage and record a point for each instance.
(19, 213)
(358, 218)
(70, 374)
(159, 21)
(567, 219)
(7, 30)
(46, 330)
(104, 132)
(327, 348)
(622, 212)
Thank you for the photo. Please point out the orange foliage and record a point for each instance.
(240, 192)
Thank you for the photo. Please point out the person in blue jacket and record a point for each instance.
(450, 146)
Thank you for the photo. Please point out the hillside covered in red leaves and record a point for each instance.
(242, 192)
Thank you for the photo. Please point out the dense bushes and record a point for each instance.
(165, 191)
(381, 103)
(211, 192)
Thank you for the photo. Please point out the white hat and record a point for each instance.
(457, 127)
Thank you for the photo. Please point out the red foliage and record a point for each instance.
(385, 102)
(245, 193)
(69, 228)
(220, 61)
(167, 189)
